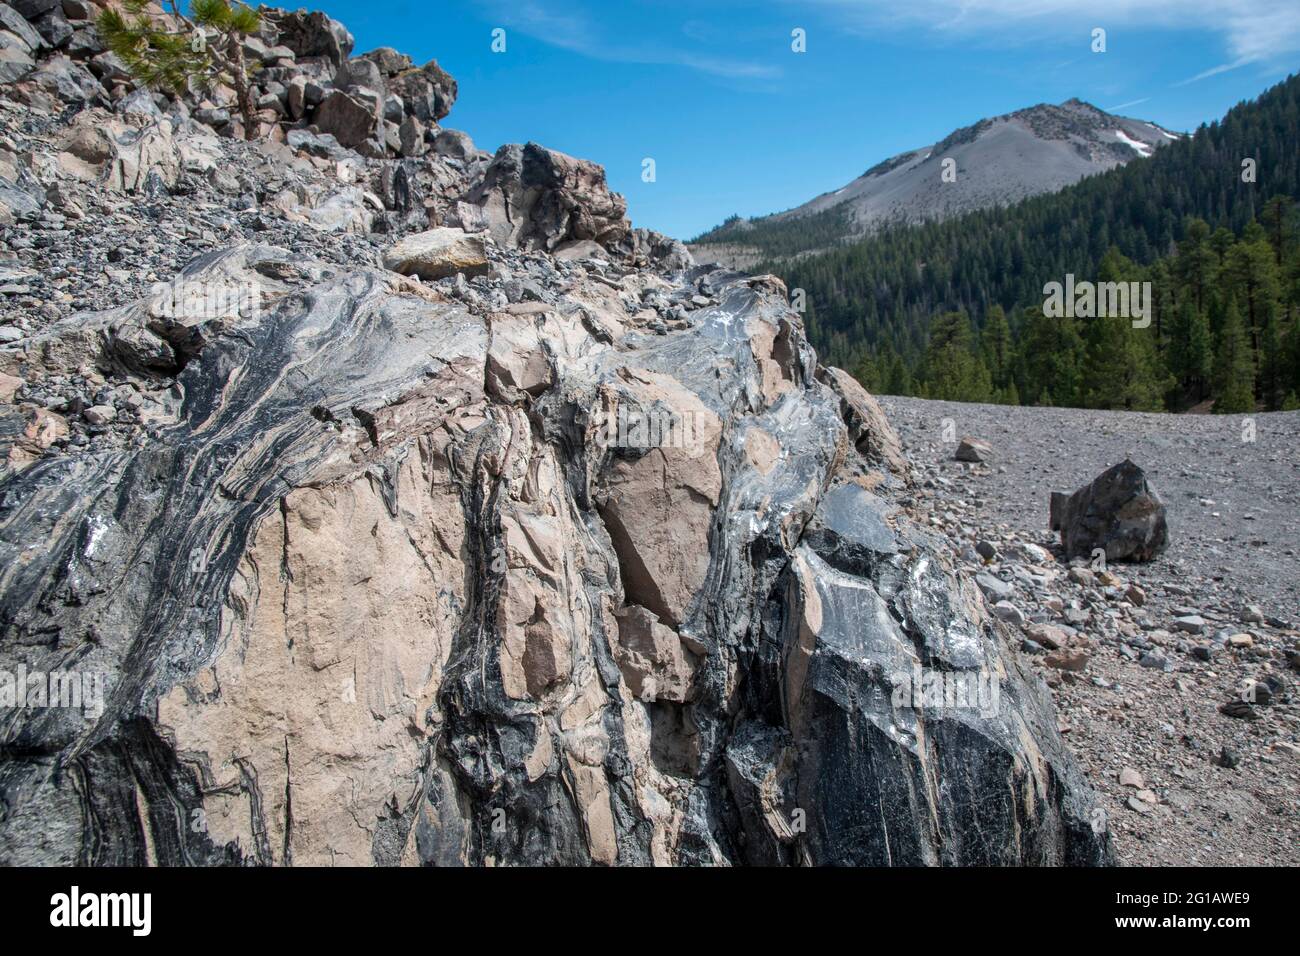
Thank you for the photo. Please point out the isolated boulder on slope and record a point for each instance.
(438, 253)
(1117, 512)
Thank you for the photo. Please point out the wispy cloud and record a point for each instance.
(1253, 31)
(1212, 71)
(1130, 103)
(577, 32)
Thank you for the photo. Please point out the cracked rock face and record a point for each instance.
(537, 198)
(419, 574)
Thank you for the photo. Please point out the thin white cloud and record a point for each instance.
(1212, 71)
(1130, 103)
(570, 30)
(538, 20)
(1253, 31)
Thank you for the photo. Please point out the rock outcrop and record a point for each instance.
(546, 548)
(303, 76)
(369, 123)
(372, 609)
(536, 198)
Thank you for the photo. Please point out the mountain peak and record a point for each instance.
(994, 161)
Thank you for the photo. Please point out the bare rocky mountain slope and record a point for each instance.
(995, 162)
(392, 508)
(1175, 680)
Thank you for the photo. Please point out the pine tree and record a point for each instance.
(1197, 262)
(1050, 358)
(1190, 353)
(1234, 369)
(995, 346)
(1221, 241)
(1292, 348)
(900, 378)
(1252, 278)
(1276, 218)
(171, 51)
(1164, 305)
(867, 372)
(1120, 368)
(953, 371)
(1272, 365)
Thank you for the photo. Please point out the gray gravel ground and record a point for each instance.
(1213, 788)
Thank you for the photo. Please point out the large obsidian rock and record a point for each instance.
(1117, 512)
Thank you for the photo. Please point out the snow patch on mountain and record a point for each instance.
(1142, 149)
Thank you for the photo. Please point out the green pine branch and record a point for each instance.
(203, 47)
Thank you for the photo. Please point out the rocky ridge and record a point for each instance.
(994, 162)
(416, 509)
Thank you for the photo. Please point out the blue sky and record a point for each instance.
(737, 122)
